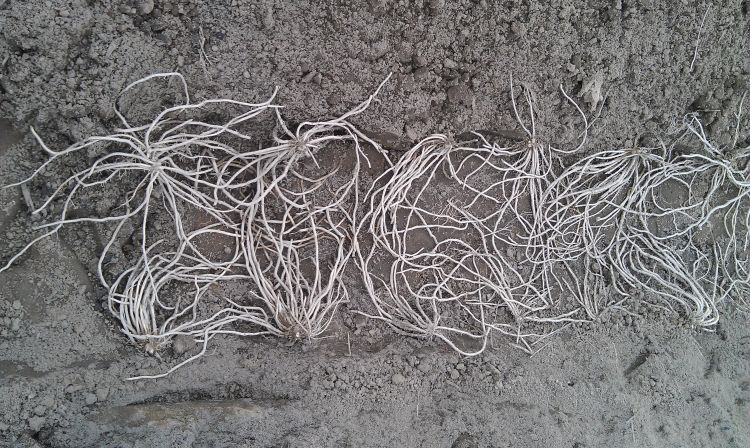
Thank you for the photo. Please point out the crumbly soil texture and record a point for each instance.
(635, 379)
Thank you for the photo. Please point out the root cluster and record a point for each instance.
(459, 241)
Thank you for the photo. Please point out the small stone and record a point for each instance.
(454, 374)
(424, 367)
(15, 324)
(449, 63)
(48, 401)
(411, 133)
(36, 423)
(420, 73)
(102, 393)
(180, 60)
(268, 20)
(144, 7)
(90, 399)
(398, 379)
(519, 29)
(437, 6)
(157, 26)
(465, 440)
(379, 49)
(308, 77)
(460, 366)
(246, 363)
(182, 344)
(16, 304)
(246, 74)
(419, 60)
(591, 90)
(378, 7)
(40, 410)
(459, 94)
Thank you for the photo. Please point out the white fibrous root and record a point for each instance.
(284, 247)
(460, 240)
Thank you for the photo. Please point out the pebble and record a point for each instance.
(437, 6)
(454, 374)
(268, 20)
(398, 379)
(36, 423)
(378, 7)
(158, 26)
(182, 344)
(424, 367)
(246, 363)
(465, 440)
(48, 401)
(419, 60)
(90, 398)
(180, 60)
(518, 28)
(379, 49)
(144, 6)
(450, 63)
(420, 73)
(16, 304)
(246, 74)
(458, 94)
(102, 393)
(308, 77)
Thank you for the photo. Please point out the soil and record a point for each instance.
(631, 380)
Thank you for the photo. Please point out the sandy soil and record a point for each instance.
(640, 380)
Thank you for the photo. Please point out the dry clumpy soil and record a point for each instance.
(630, 381)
